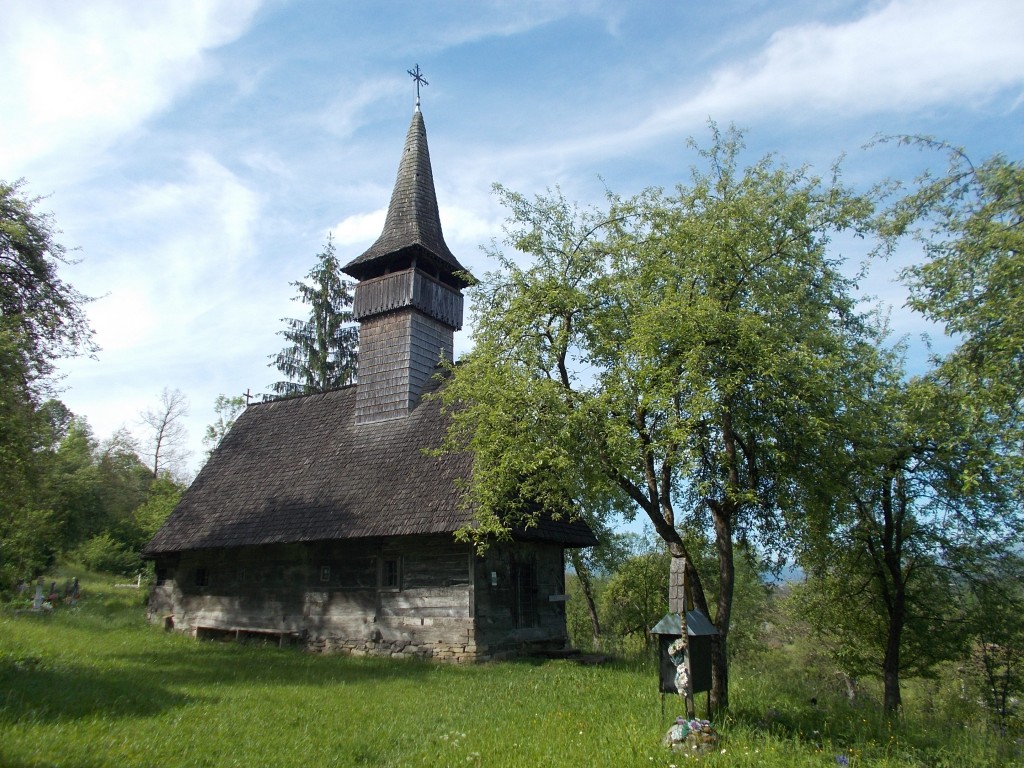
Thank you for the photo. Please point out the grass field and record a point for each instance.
(96, 686)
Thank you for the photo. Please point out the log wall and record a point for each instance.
(330, 597)
(503, 627)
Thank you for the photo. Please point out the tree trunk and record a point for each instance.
(894, 510)
(891, 663)
(719, 699)
(586, 584)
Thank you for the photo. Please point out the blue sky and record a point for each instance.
(196, 154)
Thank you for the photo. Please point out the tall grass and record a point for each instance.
(95, 686)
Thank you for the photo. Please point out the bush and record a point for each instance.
(105, 553)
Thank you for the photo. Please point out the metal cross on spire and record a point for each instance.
(418, 78)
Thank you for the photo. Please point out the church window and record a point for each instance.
(390, 573)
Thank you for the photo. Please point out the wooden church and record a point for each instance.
(322, 520)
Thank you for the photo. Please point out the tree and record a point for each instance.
(107, 500)
(931, 495)
(42, 318)
(321, 351)
(150, 516)
(997, 622)
(41, 313)
(677, 355)
(227, 410)
(970, 222)
(636, 596)
(915, 513)
(76, 485)
(165, 441)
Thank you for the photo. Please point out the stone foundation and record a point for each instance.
(453, 653)
(400, 649)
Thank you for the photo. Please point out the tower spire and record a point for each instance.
(408, 298)
(412, 228)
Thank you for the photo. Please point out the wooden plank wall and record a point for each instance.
(409, 288)
(495, 603)
(327, 589)
(398, 353)
(446, 605)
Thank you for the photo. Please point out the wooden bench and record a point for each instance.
(205, 632)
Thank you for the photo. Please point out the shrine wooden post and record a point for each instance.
(680, 602)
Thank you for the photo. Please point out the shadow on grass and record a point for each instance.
(30, 695)
(211, 663)
(157, 677)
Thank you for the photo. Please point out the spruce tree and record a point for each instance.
(321, 351)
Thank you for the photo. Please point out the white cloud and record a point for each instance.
(346, 111)
(453, 26)
(182, 304)
(899, 56)
(180, 251)
(77, 75)
(359, 228)
(464, 225)
(904, 55)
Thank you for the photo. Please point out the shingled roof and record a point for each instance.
(300, 470)
(413, 224)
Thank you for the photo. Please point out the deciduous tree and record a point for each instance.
(42, 318)
(918, 508)
(226, 410)
(676, 355)
(166, 433)
(970, 223)
(42, 314)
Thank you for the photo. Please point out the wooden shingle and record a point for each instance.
(302, 470)
(413, 224)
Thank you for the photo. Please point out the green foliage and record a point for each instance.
(227, 410)
(752, 603)
(149, 516)
(632, 596)
(851, 621)
(107, 554)
(970, 221)
(684, 356)
(42, 318)
(996, 623)
(20, 466)
(29, 543)
(41, 314)
(636, 597)
(919, 502)
(72, 494)
(578, 621)
(322, 350)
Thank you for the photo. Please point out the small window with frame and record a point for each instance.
(325, 573)
(390, 576)
(202, 577)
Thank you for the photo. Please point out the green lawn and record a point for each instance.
(95, 686)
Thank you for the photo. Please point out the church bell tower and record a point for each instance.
(408, 295)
